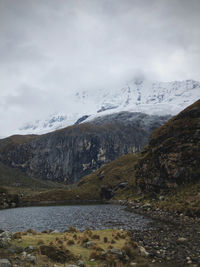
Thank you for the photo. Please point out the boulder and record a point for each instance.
(55, 232)
(81, 263)
(4, 243)
(182, 240)
(5, 263)
(15, 249)
(29, 249)
(89, 244)
(143, 251)
(6, 235)
(115, 251)
(32, 259)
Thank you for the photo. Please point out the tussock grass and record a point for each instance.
(66, 242)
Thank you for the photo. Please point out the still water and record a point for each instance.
(61, 217)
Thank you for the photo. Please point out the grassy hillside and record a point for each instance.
(89, 188)
(10, 142)
(186, 200)
(16, 181)
(111, 175)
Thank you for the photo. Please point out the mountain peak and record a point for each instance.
(138, 95)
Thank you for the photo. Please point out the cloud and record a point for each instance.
(50, 48)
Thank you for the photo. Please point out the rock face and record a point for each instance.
(73, 152)
(173, 154)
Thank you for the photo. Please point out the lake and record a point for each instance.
(80, 216)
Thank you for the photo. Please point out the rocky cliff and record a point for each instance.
(172, 157)
(71, 153)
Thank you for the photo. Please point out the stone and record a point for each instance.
(5, 263)
(4, 243)
(5, 205)
(32, 259)
(24, 254)
(81, 263)
(55, 232)
(143, 251)
(116, 252)
(13, 205)
(29, 249)
(126, 257)
(71, 266)
(6, 234)
(182, 239)
(15, 249)
(89, 244)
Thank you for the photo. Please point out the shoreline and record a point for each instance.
(55, 203)
(173, 240)
(61, 203)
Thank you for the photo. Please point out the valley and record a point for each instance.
(99, 133)
(160, 180)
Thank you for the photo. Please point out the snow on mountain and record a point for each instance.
(158, 98)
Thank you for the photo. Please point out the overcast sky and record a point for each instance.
(49, 48)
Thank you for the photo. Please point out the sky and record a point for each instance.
(52, 48)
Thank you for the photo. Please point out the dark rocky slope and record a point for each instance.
(172, 157)
(71, 153)
(8, 200)
(165, 174)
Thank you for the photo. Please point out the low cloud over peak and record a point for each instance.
(57, 47)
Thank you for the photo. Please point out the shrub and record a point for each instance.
(70, 242)
(95, 236)
(105, 239)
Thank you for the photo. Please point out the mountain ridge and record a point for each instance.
(150, 97)
(172, 156)
(68, 154)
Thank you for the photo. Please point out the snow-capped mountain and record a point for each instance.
(158, 98)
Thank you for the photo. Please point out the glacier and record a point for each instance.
(150, 97)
